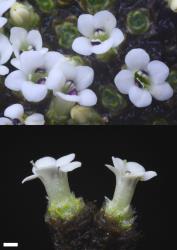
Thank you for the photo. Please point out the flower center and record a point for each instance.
(69, 88)
(99, 37)
(26, 47)
(39, 76)
(142, 79)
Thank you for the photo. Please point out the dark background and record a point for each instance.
(22, 207)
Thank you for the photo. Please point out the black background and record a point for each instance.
(22, 207)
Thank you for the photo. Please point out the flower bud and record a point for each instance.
(23, 15)
(85, 116)
(173, 5)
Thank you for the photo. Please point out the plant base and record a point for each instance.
(91, 230)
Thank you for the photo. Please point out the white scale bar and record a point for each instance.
(10, 244)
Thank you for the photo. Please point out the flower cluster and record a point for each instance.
(53, 174)
(40, 74)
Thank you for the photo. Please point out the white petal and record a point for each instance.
(18, 38)
(64, 160)
(162, 92)
(71, 166)
(15, 111)
(3, 21)
(5, 49)
(15, 80)
(84, 77)
(113, 169)
(82, 45)
(87, 98)
(45, 163)
(68, 98)
(105, 20)
(30, 61)
(52, 58)
(117, 36)
(33, 92)
(137, 59)
(30, 178)
(103, 47)
(86, 25)
(124, 80)
(5, 121)
(158, 71)
(35, 119)
(140, 97)
(69, 70)
(118, 163)
(3, 70)
(55, 79)
(148, 175)
(5, 5)
(16, 63)
(34, 38)
(135, 169)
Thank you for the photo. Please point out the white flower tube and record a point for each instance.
(127, 176)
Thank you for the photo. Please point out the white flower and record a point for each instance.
(100, 34)
(35, 75)
(73, 84)
(127, 176)
(25, 41)
(5, 54)
(143, 79)
(4, 6)
(13, 115)
(53, 174)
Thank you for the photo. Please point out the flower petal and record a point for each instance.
(30, 178)
(68, 98)
(52, 58)
(71, 166)
(5, 121)
(14, 111)
(3, 70)
(137, 59)
(17, 38)
(84, 77)
(124, 80)
(68, 70)
(5, 49)
(15, 80)
(135, 169)
(113, 169)
(162, 92)
(35, 119)
(3, 21)
(16, 63)
(105, 20)
(45, 163)
(82, 45)
(34, 38)
(85, 25)
(148, 175)
(103, 47)
(64, 160)
(118, 163)
(55, 79)
(30, 61)
(158, 71)
(87, 98)
(140, 97)
(117, 37)
(5, 5)
(33, 92)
